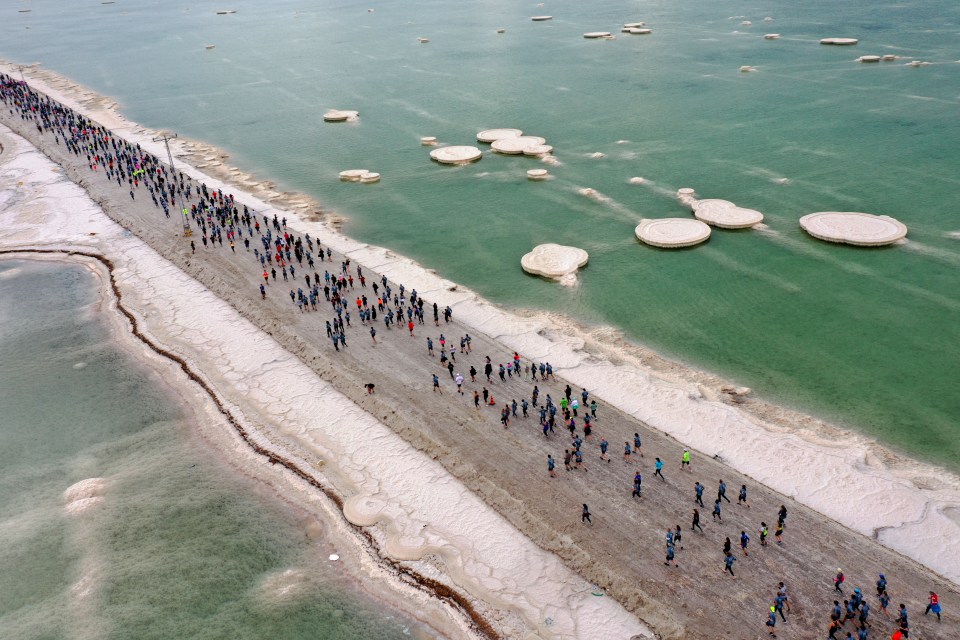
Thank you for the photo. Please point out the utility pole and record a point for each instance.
(20, 69)
(184, 214)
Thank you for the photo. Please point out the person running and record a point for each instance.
(933, 604)
(476, 398)
(685, 460)
(716, 509)
(436, 383)
(410, 327)
(778, 604)
(670, 556)
(698, 488)
(722, 491)
(637, 445)
(604, 445)
(778, 534)
(430, 346)
(551, 465)
(838, 581)
(728, 561)
(637, 486)
(678, 537)
(884, 603)
(659, 469)
(881, 585)
(772, 621)
(744, 541)
(626, 453)
(567, 457)
(585, 514)
(459, 381)
(782, 515)
(373, 335)
(727, 546)
(742, 498)
(696, 521)
(764, 532)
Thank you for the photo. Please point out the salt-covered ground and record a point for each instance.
(907, 506)
(420, 510)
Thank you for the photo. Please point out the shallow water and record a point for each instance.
(180, 546)
(868, 338)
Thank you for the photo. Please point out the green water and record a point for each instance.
(180, 545)
(868, 338)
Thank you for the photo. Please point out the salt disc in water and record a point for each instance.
(456, 154)
(514, 146)
(541, 18)
(352, 175)
(492, 135)
(839, 41)
(554, 261)
(849, 227)
(672, 232)
(725, 214)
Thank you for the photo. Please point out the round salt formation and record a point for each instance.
(538, 150)
(537, 174)
(555, 261)
(370, 177)
(747, 69)
(501, 30)
(517, 145)
(637, 180)
(888, 57)
(423, 40)
(492, 135)
(428, 141)
(340, 115)
(541, 18)
(639, 31)
(634, 25)
(686, 192)
(352, 175)
(456, 155)
(848, 227)
(671, 233)
(841, 42)
(918, 63)
(772, 36)
(868, 59)
(747, 23)
(725, 214)
(590, 35)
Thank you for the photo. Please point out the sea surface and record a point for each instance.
(180, 546)
(867, 338)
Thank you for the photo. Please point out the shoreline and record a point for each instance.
(536, 339)
(173, 375)
(307, 466)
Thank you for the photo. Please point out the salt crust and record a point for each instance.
(725, 214)
(848, 227)
(555, 261)
(517, 145)
(422, 510)
(492, 135)
(672, 233)
(839, 41)
(862, 493)
(456, 155)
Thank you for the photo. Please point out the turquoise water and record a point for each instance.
(181, 546)
(868, 338)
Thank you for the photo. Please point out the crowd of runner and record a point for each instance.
(356, 301)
